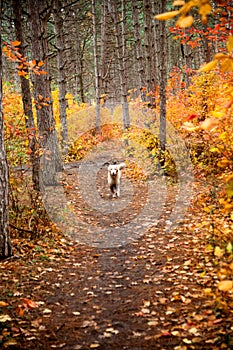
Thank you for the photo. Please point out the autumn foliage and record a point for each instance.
(201, 113)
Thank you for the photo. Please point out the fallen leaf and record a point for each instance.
(10, 342)
(145, 311)
(47, 311)
(153, 323)
(3, 303)
(218, 252)
(225, 286)
(29, 303)
(5, 318)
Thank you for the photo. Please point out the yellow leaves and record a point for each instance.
(229, 248)
(190, 127)
(185, 21)
(225, 286)
(229, 186)
(218, 252)
(227, 65)
(230, 44)
(208, 291)
(225, 61)
(208, 66)
(205, 9)
(178, 3)
(223, 163)
(218, 114)
(209, 124)
(214, 150)
(219, 56)
(167, 15)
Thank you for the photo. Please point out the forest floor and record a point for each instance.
(154, 292)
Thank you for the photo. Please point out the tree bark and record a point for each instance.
(5, 243)
(58, 25)
(50, 160)
(138, 47)
(96, 67)
(121, 62)
(26, 97)
(149, 46)
(162, 77)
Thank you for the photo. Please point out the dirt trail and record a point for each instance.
(148, 293)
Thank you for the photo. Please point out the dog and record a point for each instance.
(114, 178)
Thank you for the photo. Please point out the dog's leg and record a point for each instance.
(113, 189)
(118, 190)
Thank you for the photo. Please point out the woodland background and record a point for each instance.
(109, 65)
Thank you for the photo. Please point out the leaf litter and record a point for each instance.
(163, 291)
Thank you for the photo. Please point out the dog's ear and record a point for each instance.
(121, 165)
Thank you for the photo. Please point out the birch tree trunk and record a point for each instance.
(96, 67)
(121, 60)
(5, 244)
(27, 98)
(58, 25)
(50, 160)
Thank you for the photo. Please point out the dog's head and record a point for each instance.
(113, 169)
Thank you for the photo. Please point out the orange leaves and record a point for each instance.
(225, 61)
(186, 19)
(3, 303)
(225, 286)
(27, 304)
(15, 43)
(42, 102)
(229, 186)
(167, 15)
(12, 53)
(230, 44)
(208, 124)
(209, 66)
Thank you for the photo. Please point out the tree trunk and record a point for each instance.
(50, 160)
(138, 47)
(149, 46)
(5, 244)
(27, 99)
(162, 75)
(58, 25)
(121, 61)
(96, 65)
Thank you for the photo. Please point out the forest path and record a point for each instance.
(139, 291)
